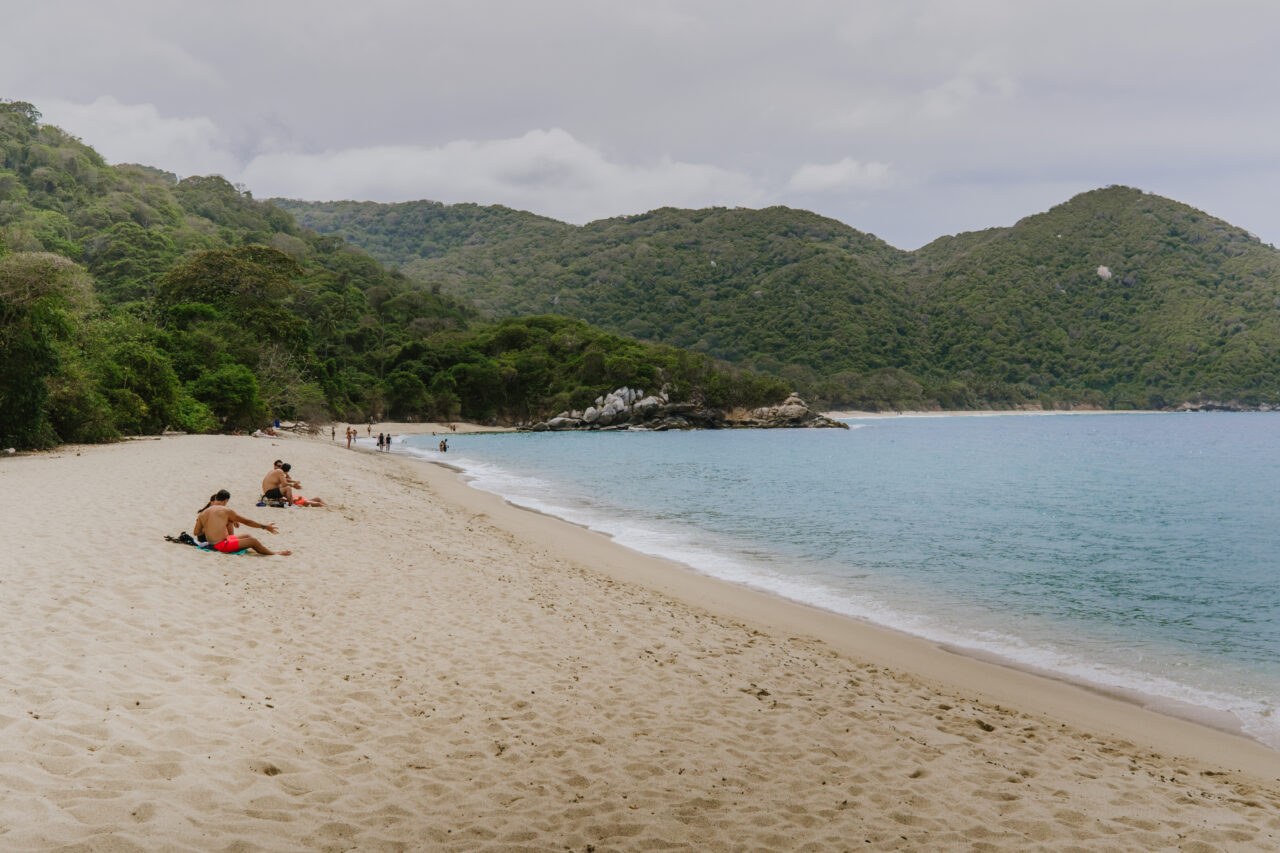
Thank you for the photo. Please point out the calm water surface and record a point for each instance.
(1134, 552)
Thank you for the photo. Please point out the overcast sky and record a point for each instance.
(908, 120)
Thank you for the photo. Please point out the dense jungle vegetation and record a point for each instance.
(132, 302)
(1116, 298)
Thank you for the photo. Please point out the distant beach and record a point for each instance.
(435, 669)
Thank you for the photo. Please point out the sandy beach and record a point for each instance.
(433, 669)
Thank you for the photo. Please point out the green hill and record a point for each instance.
(131, 301)
(1185, 309)
(1142, 299)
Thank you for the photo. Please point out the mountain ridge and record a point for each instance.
(1015, 312)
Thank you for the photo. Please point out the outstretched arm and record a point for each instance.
(237, 517)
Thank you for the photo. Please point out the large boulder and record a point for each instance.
(646, 407)
(792, 412)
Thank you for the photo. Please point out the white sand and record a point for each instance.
(435, 670)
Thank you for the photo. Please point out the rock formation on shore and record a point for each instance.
(1222, 406)
(629, 408)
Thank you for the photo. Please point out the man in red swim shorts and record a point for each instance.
(217, 523)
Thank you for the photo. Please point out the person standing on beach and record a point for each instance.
(217, 523)
(333, 432)
(350, 431)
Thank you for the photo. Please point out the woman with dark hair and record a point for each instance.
(220, 495)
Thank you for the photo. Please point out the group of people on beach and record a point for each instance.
(352, 435)
(216, 522)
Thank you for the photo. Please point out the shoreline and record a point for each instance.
(1165, 729)
(1221, 720)
(435, 667)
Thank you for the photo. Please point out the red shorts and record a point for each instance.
(229, 545)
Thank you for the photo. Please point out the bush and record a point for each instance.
(231, 394)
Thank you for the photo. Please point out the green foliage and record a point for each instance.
(127, 259)
(142, 387)
(215, 311)
(231, 394)
(77, 409)
(535, 367)
(208, 309)
(191, 415)
(40, 295)
(1000, 317)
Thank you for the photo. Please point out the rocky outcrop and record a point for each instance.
(1222, 406)
(629, 408)
(792, 412)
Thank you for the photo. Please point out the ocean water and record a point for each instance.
(1135, 553)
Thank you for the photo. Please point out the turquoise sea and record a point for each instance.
(1137, 553)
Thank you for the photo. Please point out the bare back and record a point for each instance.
(215, 522)
(277, 479)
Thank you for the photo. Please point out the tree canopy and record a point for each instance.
(132, 301)
(1186, 311)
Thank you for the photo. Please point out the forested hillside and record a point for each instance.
(131, 302)
(1115, 298)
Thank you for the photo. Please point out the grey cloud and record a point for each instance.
(548, 172)
(682, 103)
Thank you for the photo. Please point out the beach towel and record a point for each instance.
(185, 538)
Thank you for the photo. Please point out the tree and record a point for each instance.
(128, 259)
(231, 393)
(39, 294)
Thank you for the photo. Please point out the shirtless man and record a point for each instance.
(217, 523)
(277, 486)
(297, 499)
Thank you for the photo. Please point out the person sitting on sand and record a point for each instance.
(286, 467)
(277, 486)
(217, 523)
(298, 500)
(221, 494)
